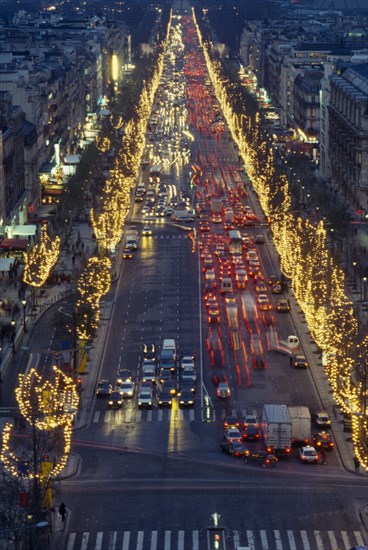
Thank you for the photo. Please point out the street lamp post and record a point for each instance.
(354, 275)
(24, 304)
(365, 289)
(12, 322)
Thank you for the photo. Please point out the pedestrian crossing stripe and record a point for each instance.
(191, 540)
(150, 415)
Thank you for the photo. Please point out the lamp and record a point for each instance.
(13, 322)
(24, 304)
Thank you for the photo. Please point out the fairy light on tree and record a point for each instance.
(41, 259)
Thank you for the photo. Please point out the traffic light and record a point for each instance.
(216, 538)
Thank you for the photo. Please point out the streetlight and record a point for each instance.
(354, 274)
(365, 289)
(24, 304)
(12, 322)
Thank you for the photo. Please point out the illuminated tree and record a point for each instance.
(41, 259)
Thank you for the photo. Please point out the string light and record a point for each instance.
(41, 259)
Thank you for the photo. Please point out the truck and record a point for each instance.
(216, 205)
(235, 242)
(301, 430)
(182, 216)
(277, 429)
(131, 239)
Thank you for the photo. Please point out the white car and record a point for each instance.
(232, 434)
(147, 231)
(145, 398)
(223, 390)
(308, 454)
(187, 363)
(126, 389)
(149, 373)
(189, 374)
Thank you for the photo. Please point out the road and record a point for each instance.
(151, 479)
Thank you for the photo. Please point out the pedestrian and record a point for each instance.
(73, 259)
(62, 511)
(322, 455)
(356, 463)
(288, 301)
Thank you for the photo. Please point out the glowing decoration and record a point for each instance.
(41, 259)
(47, 409)
(95, 281)
(115, 73)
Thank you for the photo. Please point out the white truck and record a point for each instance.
(131, 239)
(182, 216)
(301, 431)
(277, 429)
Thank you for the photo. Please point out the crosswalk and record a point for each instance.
(264, 539)
(125, 416)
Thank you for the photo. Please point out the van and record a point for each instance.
(226, 285)
(169, 343)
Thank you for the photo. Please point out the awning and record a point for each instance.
(72, 159)
(24, 230)
(14, 244)
(6, 263)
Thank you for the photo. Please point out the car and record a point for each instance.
(213, 315)
(251, 433)
(103, 389)
(223, 390)
(165, 398)
(188, 352)
(149, 373)
(189, 374)
(126, 388)
(308, 454)
(263, 458)
(300, 362)
(115, 400)
(170, 385)
(186, 398)
(147, 231)
(145, 397)
(149, 351)
(187, 363)
(123, 375)
(231, 421)
(188, 385)
(165, 374)
(232, 434)
(263, 302)
(260, 239)
(276, 289)
(283, 306)
(250, 418)
(260, 287)
(323, 440)
(235, 448)
(218, 376)
(322, 419)
(127, 254)
(273, 280)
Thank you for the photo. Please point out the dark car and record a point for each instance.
(323, 440)
(251, 433)
(165, 374)
(188, 385)
(127, 254)
(188, 352)
(123, 375)
(231, 421)
(115, 400)
(234, 449)
(273, 280)
(149, 351)
(170, 385)
(218, 375)
(261, 457)
(186, 398)
(165, 398)
(103, 389)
